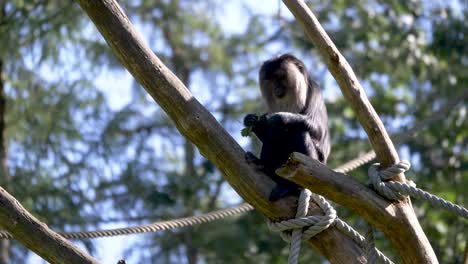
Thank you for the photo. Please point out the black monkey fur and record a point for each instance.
(296, 120)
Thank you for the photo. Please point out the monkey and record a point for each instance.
(296, 120)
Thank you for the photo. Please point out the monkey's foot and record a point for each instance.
(252, 159)
(283, 191)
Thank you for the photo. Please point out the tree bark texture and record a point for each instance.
(36, 236)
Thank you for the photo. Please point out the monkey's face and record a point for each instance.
(283, 86)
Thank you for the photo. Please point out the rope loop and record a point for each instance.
(304, 227)
(311, 225)
(378, 177)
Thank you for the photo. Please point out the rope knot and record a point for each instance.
(378, 178)
(304, 227)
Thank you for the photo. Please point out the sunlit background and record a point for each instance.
(87, 148)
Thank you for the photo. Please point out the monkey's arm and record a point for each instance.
(295, 121)
(257, 123)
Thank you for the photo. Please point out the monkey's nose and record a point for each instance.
(279, 92)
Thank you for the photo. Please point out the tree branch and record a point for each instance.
(413, 247)
(348, 83)
(340, 188)
(35, 235)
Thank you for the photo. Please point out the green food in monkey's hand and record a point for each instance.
(246, 131)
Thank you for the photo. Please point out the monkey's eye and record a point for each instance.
(281, 78)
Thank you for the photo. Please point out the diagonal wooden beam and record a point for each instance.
(36, 236)
(413, 246)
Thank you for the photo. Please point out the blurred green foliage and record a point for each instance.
(78, 162)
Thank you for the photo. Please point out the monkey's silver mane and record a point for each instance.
(295, 98)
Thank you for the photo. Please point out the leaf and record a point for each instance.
(245, 132)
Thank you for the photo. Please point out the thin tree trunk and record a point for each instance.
(413, 246)
(4, 177)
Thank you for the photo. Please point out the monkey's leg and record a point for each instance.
(294, 122)
(252, 159)
(283, 189)
(291, 120)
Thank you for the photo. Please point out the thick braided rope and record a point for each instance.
(396, 190)
(314, 224)
(320, 223)
(377, 178)
(157, 226)
(370, 244)
(407, 189)
(347, 229)
(302, 209)
(356, 163)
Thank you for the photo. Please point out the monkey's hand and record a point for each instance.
(277, 121)
(251, 120)
(256, 124)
